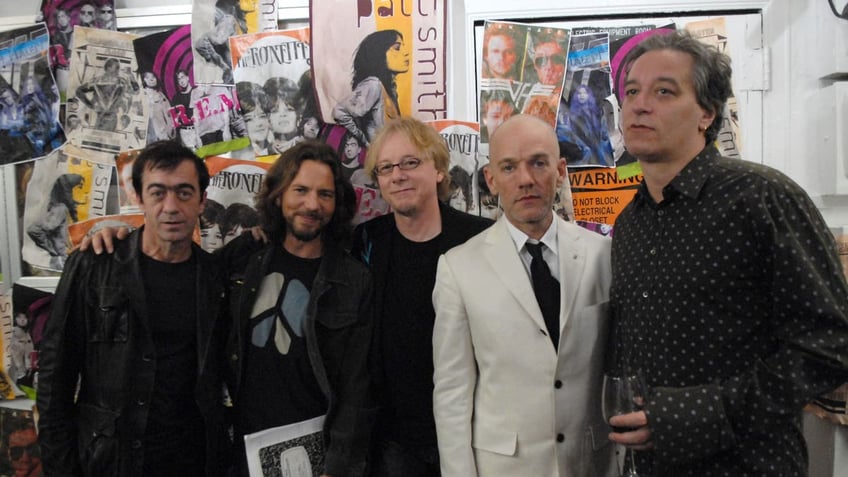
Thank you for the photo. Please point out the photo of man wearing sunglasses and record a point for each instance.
(106, 17)
(548, 59)
(22, 446)
(87, 13)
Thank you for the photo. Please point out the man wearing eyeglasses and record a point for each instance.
(410, 162)
(549, 60)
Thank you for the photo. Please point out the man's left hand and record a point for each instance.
(639, 437)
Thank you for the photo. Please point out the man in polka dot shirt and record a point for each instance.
(727, 291)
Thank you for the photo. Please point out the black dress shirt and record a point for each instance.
(729, 296)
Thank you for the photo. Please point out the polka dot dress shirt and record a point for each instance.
(729, 297)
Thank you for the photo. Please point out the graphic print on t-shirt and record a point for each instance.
(278, 299)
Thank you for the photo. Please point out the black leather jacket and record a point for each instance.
(99, 330)
(338, 334)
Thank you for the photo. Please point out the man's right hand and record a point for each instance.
(103, 239)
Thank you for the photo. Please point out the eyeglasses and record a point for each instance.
(542, 61)
(405, 164)
(16, 452)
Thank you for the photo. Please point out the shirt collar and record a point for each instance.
(689, 181)
(520, 238)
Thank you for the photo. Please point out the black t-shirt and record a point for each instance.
(407, 341)
(174, 439)
(278, 385)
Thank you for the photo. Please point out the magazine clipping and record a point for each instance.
(294, 450)
(585, 117)
(522, 70)
(463, 141)
(375, 61)
(714, 32)
(64, 189)
(230, 199)
(23, 335)
(29, 98)
(105, 110)
(19, 451)
(203, 117)
(61, 17)
(274, 84)
(16, 349)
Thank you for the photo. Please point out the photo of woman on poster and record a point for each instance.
(254, 101)
(380, 57)
(283, 112)
(159, 124)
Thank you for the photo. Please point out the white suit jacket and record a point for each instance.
(506, 403)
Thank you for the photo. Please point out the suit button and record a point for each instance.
(147, 358)
(560, 437)
(136, 444)
(233, 357)
(557, 384)
(141, 402)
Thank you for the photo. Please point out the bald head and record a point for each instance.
(525, 170)
(521, 123)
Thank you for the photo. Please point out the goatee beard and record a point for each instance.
(305, 236)
(408, 211)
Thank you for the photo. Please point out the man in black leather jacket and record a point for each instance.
(139, 329)
(301, 310)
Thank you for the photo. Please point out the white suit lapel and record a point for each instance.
(501, 255)
(572, 260)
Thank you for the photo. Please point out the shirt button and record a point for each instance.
(147, 358)
(557, 384)
(653, 251)
(660, 213)
(644, 294)
(234, 357)
(560, 437)
(141, 402)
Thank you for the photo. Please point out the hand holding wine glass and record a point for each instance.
(624, 399)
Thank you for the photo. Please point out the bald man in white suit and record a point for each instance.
(518, 394)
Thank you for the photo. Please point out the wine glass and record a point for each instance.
(623, 395)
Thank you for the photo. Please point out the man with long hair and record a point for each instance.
(301, 311)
